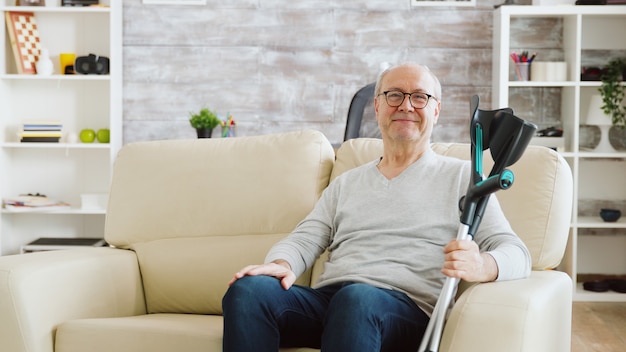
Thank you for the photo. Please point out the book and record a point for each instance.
(33, 203)
(40, 139)
(42, 122)
(31, 127)
(47, 209)
(42, 125)
(57, 243)
(24, 38)
(41, 134)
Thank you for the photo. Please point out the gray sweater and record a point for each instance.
(390, 233)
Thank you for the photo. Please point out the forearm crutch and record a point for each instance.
(506, 136)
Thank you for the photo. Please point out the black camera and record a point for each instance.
(92, 64)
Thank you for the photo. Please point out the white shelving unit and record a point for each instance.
(594, 247)
(64, 170)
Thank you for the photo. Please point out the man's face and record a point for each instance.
(406, 123)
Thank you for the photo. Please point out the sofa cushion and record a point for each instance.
(153, 332)
(192, 230)
(190, 274)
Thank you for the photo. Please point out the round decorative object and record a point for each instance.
(72, 137)
(617, 285)
(87, 135)
(617, 137)
(589, 137)
(610, 215)
(596, 286)
(103, 135)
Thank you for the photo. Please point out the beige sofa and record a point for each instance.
(186, 214)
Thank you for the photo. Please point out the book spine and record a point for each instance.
(41, 134)
(40, 139)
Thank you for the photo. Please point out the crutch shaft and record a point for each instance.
(432, 335)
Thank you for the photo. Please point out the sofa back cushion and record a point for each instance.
(196, 211)
(538, 205)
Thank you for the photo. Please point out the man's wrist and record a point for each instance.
(490, 267)
(282, 262)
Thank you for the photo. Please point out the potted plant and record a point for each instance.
(613, 91)
(204, 122)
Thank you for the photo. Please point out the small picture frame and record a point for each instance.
(30, 2)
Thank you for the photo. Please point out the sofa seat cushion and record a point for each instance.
(152, 332)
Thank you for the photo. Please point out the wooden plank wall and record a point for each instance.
(283, 65)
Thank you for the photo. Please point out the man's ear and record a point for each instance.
(436, 112)
(376, 102)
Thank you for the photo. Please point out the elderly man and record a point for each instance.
(390, 228)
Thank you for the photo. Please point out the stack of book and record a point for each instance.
(41, 131)
(33, 203)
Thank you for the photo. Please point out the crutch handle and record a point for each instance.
(481, 189)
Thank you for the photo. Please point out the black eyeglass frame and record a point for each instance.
(404, 97)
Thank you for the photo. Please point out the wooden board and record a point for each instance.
(24, 36)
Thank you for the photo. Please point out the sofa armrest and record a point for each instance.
(533, 313)
(38, 291)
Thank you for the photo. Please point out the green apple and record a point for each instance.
(103, 135)
(87, 135)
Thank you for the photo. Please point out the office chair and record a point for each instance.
(361, 120)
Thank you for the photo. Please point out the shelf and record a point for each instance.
(589, 296)
(540, 84)
(70, 211)
(57, 9)
(586, 155)
(590, 83)
(597, 222)
(56, 77)
(593, 155)
(562, 10)
(19, 145)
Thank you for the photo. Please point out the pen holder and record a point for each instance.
(228, 131)
(522, 71)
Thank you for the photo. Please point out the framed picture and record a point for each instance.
(443, 2)
(30, 2)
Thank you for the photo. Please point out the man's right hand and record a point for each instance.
(279, 269)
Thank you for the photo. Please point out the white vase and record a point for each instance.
(597, 117)
(44, 64)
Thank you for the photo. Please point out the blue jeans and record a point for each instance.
(259, 316)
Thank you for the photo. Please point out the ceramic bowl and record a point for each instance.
(610, 215)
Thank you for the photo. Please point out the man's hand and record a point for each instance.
(463, 260)
(279, 269)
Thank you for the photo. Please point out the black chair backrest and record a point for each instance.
(361, 121)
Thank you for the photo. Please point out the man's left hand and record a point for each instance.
(463, 260)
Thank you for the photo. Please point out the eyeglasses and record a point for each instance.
(395, 98)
